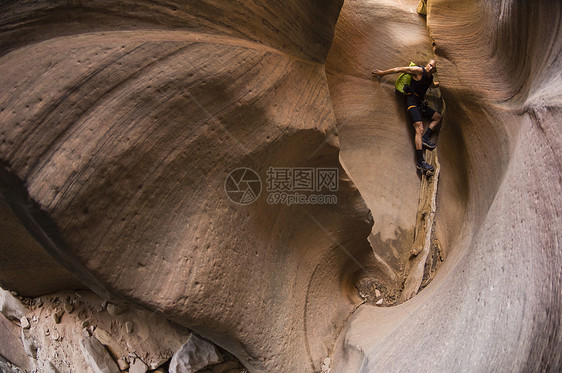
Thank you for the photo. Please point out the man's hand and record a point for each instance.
(435, 84)
(377, 72)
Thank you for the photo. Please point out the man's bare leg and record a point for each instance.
(419, 133)
(421, 164)
(435, 120)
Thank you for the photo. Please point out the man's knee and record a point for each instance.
(419, 127)
(436, 117)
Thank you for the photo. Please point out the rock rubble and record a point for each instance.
(93, 337)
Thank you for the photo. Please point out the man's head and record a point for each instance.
(430, 67)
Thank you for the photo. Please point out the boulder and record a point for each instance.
(194, 355)
(97, 356)
(11, 347)
(138, 367)
(11, 307)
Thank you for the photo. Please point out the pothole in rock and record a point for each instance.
(376, 293)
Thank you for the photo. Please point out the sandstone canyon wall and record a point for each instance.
(121, 121)
(120, 124)
(495, 302)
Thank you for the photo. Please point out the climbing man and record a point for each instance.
(422, 79)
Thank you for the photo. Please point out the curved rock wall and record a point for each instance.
(495, 303)
(120, 133)
(302, 29)
(120, 123)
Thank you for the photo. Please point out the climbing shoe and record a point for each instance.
(428, 144)
(424, 167)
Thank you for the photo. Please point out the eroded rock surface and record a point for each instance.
(495, 303)
(120, 124)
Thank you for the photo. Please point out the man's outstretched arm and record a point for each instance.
(395, 70)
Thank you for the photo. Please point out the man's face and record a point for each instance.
(430, 67)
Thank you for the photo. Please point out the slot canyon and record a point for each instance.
(223, 186)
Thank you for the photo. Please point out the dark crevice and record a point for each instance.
(13, 192)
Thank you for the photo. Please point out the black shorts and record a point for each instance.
(417, 109)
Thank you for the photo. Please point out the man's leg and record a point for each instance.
(421, 164)
(435, 121)
(418, 137)
(414, 112)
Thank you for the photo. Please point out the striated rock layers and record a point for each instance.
(495, 303)
(121, 121)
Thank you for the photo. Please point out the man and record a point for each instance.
(422, 79)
